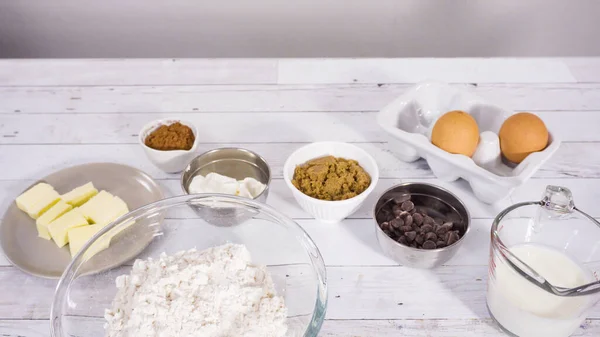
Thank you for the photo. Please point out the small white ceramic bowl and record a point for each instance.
(325, 210)
(169, 161)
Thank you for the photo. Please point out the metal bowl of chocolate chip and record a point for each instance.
(420, 225)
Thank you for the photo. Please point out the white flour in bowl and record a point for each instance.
(217, 292)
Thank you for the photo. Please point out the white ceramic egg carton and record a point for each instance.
(408, 120)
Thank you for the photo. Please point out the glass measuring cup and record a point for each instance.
(544, 269)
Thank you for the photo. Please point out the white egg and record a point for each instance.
(487, 153)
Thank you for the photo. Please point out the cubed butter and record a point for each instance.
(38, 199)
(79, 236)
(80, 195)
(59, 228)
(107, 211)
(50, 215)
(97, 206)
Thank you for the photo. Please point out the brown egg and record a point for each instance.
(521, 134)
(456, 132)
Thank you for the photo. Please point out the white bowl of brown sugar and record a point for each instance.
(330, 180)
(169, 143)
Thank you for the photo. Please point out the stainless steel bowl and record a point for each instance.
(435, 200)
(236, 163)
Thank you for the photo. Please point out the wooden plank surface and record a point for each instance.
(278, 98)
(335, 328)
(136, 72)
(59, 113)
(566, 163)
(291, 127)
(457, 70)
(374, 292)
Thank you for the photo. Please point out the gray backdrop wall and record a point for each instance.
(295, 28)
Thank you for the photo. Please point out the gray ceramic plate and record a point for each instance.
(39, 257)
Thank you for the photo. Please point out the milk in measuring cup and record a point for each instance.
(529, 311)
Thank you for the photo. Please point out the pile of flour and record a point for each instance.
(217, 292)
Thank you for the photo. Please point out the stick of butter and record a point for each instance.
(79, 236)
(104, 209)
(59, 228)
(94, 209)
(38, 199)
(50, 215)
(78, 196)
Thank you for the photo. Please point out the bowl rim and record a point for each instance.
(457, 243)
(269, 175)
(167, 121)
(363, 194)
(311, 249)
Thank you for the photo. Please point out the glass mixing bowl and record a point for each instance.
(171, 225)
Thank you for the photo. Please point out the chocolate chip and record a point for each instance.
(385, 225)
(421, 210)
(452, 237)
(418, 219)
(397, 223)
(443, 229)
(403, 215)
(407, 206)
(408, 220)
(431, 236)
(426, 229)
(411, 225)
(397, 210)
(406, 228)
(429, 245)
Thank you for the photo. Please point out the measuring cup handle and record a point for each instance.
(558, 199)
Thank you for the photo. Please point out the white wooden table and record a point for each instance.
(58, 113)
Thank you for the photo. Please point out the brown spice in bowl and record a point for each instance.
(171, 137)
(331, 178)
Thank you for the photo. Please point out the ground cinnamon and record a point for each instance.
(171, 137)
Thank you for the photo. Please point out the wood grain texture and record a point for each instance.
(331, 328)
(449, 292)
(136, 72)
(123, 128)
(416, 70)
(240, 71)
(567, 162)
(278, 98)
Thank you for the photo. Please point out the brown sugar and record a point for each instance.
(171, 137)
(331, 178)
